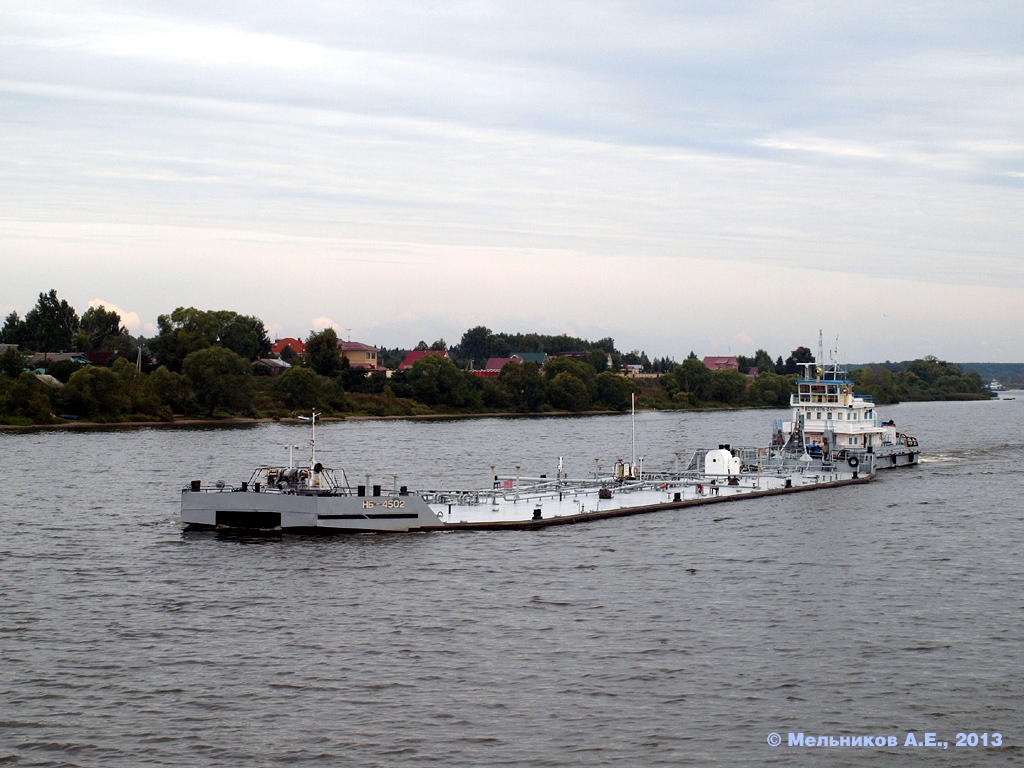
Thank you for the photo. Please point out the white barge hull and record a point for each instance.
(439, 511)
(304, 512)
(538, 511)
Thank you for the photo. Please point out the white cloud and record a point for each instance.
(322, 323)
(634, 171)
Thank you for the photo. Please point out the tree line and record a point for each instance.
(200, 363)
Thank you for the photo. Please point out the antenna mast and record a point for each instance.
(632, 460)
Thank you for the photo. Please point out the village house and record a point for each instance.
(359, 355)
(270, 366)
(416, 354)
(494, 365)
(721, 363)
(297, 346)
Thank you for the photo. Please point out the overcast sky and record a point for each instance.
(707, 176)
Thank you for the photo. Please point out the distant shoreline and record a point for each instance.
(244, 422)
(239, 421)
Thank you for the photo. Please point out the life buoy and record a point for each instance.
(853, 461)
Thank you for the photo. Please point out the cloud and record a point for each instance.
(430, 167)
(129, 320)
(322, 323)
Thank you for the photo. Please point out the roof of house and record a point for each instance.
(273, 362)
(720, 363)
(496, 363)
(355, 346)
(53, 381)
(416, 354)
(44, 358)
(297, 346)
(531, 357)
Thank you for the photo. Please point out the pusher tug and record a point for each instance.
(311, 499)
(828, 419)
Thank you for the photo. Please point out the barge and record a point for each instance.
(316, 499)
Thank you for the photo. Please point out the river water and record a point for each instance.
(678, 638)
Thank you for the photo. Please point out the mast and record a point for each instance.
(312, 443)
(632, 461)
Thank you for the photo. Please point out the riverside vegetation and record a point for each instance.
(200, 365)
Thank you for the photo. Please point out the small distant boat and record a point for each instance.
(996, 386)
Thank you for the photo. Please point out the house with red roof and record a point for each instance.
(494, 364)
(298, 347)
(416, 354)
(721, 363)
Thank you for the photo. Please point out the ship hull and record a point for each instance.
(303, 512)
(330, 513)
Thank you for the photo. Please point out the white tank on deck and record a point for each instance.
(721, 462)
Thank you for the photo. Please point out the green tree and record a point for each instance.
(15, 330)
(475, 345)
(694, 378)
(613, 391)
(566, 392)
(728, 386)
(436, 380)
(220, 379)
(334, 395)
(763, 362)
(62, 370)
(878, 382)
(29, 398)
(51, 324)
(796, 357)
(100, 324)
(245, 335)
(494, 396)
(184, 331)
(771, 389)
(187, 330)
(636, 357)
(598, 360)
(96, 391)
(581, 370)
(12, 363)
(299, 388)
(524, 384)
(172, 389)
(322, 352)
